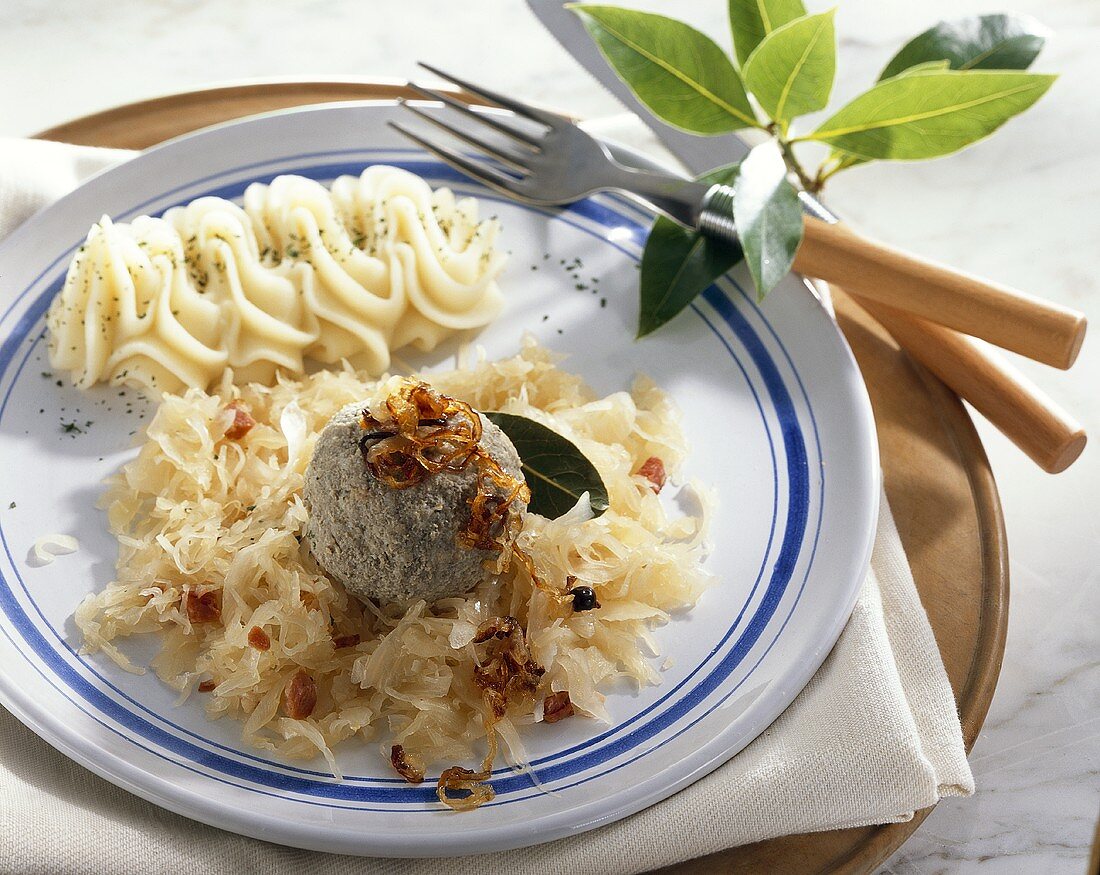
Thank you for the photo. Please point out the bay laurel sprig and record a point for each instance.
(948, 87)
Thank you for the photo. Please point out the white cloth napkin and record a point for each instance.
(872, 738)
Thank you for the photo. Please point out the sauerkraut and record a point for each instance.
(211, 532)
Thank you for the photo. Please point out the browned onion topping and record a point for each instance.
(457, 780)
(408, 767)
(497, 627)
(508, 674)
(493, 525)
(422, 433)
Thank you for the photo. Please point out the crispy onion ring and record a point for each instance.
(456, 780)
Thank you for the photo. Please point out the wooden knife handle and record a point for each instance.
(1038, 329)
(1015, 405)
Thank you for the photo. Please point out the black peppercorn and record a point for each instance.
(584, 598)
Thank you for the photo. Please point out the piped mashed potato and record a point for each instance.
(214, 556)
(375, 263)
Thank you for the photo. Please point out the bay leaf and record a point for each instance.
(678, 263)
(979, 42)
(846, 161)
(768, 216)
(791, 72)
(930, 112)
(556, 471)
(752, 20)
(679, 73)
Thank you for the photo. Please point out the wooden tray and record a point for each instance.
(936, 472)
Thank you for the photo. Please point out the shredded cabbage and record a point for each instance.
(197, 512)
(46, 547)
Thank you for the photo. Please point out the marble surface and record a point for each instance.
(1020, 208)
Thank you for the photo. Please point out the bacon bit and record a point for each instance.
(258, 638)
(653, 469)
(557, 707)
(408, 767)
(458, 779)
(206, 686)
(301, 696)
(205, 608)
(345, 641)
(242, 421)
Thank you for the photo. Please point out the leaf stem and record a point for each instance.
(828, 170)
(824, 176)
(792, 163)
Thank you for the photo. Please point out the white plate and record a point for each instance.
(775, 411)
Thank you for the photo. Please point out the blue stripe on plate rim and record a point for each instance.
(590, 212)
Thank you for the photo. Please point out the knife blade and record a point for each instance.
(698, 154)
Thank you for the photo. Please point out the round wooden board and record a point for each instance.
(936, 472)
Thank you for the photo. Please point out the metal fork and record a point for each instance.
(550, 160)
(545, 159)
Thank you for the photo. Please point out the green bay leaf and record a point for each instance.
(929, 113)
(980, 42)
(752, 20)
(926, 65)
(556, 471)
(791, 72)
(679, 73)
(768, 216)
(843, 159)
(678, 263)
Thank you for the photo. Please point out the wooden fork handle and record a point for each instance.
(1038, 329)
(1016, 406)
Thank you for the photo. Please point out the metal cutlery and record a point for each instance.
(544, 158)
(550, 160)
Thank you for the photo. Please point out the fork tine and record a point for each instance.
(483, 117)
(478, 170)
(517, 106)
(503, 154)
